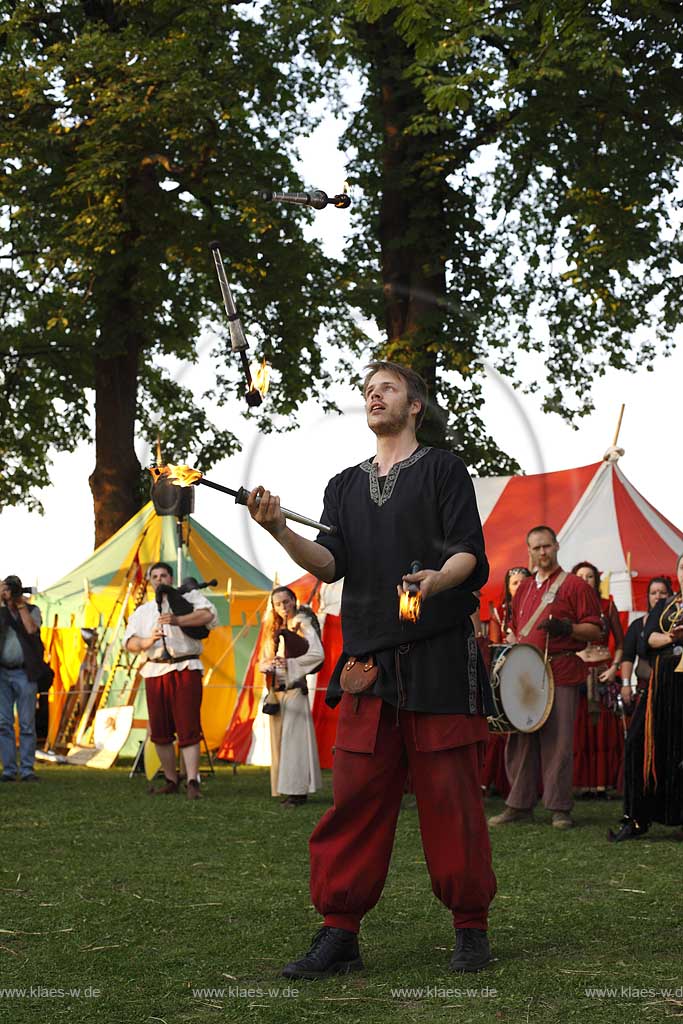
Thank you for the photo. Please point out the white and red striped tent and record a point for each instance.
(599, 517)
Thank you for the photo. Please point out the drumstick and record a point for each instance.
(493, 612)
(545, 653)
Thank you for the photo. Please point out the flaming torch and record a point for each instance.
(238, 342)
(410, 601)
(315, 198)
(185, 476)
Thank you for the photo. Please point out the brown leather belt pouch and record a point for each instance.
(358, 676)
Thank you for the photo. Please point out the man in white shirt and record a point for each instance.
(173, 676)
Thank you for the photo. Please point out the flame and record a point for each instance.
(183, 476)
(159, 460)
(409, 606)
(261, 378)
(158, 471)
(345, 188)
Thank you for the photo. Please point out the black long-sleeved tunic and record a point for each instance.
(424, 510)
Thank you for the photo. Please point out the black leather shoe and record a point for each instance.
(472, 951)
(333, 951)
(629, 830)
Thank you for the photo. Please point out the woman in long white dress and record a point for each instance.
(295, 767)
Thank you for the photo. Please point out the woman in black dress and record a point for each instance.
(658, 588)
(653, 789)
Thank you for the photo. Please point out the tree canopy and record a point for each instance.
(520, 165)
(516, 167)
(134, 132)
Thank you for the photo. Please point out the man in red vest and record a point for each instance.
(558, 613)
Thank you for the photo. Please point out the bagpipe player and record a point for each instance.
(173, 674)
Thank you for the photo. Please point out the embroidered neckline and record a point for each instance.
(381, 496)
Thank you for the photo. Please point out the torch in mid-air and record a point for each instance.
(257, 383)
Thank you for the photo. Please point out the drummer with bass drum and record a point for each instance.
(559, 614)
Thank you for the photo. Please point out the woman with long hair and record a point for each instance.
(658, 588)
(292, 649)
(502, 613)
(598, 733)
(653, 776)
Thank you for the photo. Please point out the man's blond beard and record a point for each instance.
(393, 427)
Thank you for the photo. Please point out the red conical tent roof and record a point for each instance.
(598, 516)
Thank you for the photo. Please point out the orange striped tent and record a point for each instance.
(247, 738)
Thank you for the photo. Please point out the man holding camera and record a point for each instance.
(19, 628)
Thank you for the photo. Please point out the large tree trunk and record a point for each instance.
(413, 241)
(115, 482)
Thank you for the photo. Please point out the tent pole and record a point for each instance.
(616, 435)
(179, 551)
(630, 580)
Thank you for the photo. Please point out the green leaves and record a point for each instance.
(535, 150)
(131, 134)
(517, 165)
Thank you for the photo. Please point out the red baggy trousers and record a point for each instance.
(351, 846)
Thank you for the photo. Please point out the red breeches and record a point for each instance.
(351, 845)
(173, 703)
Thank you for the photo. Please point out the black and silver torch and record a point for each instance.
(238, 342)
(316, 198)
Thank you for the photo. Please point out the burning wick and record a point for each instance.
(260, 377)
(343, 200)
(410, 601)
(257, 380)
(185, 476)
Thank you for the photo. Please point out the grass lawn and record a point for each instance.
(138, 902)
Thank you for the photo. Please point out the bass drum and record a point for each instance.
(523, 688)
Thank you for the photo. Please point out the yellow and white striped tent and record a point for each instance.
(104, 589)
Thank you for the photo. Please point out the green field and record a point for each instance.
(138, 902)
